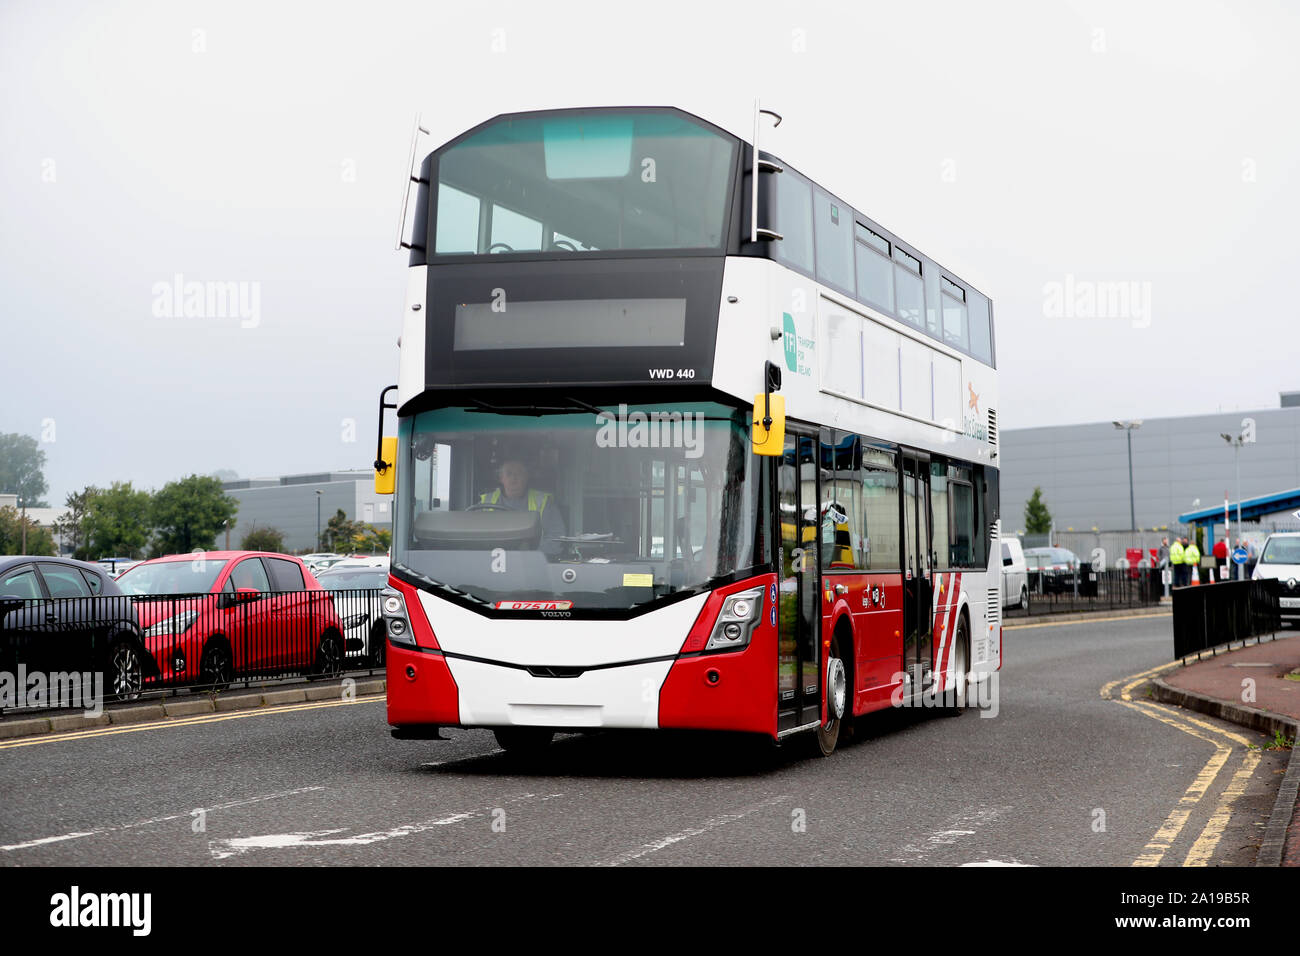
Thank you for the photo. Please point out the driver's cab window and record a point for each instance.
(693, 524)
(431, 469)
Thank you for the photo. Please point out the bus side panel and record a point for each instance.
(947, 605)
(878, 630)
(743, 696)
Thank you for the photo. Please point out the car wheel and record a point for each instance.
(1024, 598)
(217, 668)
(837, 701)
(125, 671)
(378, 644)
(329, 656)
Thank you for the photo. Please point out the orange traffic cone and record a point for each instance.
(1196, 575)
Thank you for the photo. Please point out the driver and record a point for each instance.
(515, 493)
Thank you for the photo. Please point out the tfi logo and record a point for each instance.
(791, 340)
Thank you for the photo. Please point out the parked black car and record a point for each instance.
(1051, 570)
(60, 616)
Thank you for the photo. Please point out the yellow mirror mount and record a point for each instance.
(386, 466)
(768, 430)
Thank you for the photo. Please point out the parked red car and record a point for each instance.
(211, 616)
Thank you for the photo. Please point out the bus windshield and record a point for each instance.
(575, 505)
(584, 182)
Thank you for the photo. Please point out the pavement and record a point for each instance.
(186, 706)
(1256, 685)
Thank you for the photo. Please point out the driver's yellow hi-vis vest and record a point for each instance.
(537, 500)
(1192, 554)
(1175, 553)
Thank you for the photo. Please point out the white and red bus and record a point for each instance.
(611, 315)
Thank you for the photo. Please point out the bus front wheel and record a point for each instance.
(837, 701)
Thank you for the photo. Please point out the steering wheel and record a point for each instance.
(501, 245)
(488, 506)
(565, 244)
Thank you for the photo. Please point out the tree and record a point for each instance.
(22, 466)
(377, 539)
(264, 539)
(1038, 520)
(72, 526)
(39, 540)
(116, 522)
(343, 535)
(188, 514)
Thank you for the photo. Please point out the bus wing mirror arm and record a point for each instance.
(385, 457)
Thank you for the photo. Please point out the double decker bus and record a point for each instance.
(683, 440)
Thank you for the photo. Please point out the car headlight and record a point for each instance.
(176, 624)
(736, 622)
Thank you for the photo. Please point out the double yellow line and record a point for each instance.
(1204, 846)
(168, 723)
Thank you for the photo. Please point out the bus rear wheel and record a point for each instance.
(960, 689)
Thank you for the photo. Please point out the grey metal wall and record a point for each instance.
(1083, 469)
(291, 508)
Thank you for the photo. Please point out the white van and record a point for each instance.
(1281, 559)
(1015, 578)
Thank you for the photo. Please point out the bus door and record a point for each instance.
(918, 615)
(799, 588)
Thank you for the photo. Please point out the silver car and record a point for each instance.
(355, 590)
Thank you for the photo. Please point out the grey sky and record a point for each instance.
(1150, 143)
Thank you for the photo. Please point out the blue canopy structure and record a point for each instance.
(1252, 509)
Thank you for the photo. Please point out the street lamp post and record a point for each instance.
(1236, 444)
(318, 496)
(1128, 427)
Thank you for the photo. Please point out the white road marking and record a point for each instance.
(958, 826)
(45, 841)
(997, 863)
(224, 849)
(713, 823)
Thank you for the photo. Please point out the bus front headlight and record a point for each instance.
(736, 622)
(395, 617)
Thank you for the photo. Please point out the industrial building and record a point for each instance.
(296, 505)
(1180, 467)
